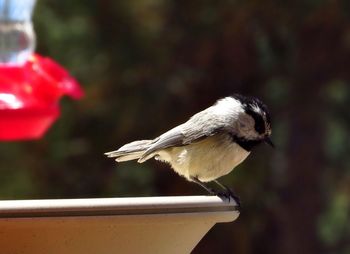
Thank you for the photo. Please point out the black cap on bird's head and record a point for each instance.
(258, 111)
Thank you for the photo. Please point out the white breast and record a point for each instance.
(207, 159)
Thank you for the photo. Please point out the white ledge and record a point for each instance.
(114, 206)
(110, 225)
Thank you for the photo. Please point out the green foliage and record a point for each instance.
(334, 222)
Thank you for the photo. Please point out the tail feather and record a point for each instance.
(131, 151)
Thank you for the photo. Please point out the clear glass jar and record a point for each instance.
(17, 37)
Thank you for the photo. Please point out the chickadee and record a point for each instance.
(210, 144)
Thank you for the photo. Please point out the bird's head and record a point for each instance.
(253, 122)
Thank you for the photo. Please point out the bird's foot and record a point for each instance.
(228, 194)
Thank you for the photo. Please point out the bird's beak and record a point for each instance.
(267, 140)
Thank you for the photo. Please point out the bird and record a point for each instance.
(210, 144)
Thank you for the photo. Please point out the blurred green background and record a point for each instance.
(148, 65)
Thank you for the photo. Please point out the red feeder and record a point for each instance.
(29, 97)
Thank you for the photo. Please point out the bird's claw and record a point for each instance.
(228, 194)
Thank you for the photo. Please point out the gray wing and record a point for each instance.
(192, 131)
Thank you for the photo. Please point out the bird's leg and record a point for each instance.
(228, 192)
(208, 189)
